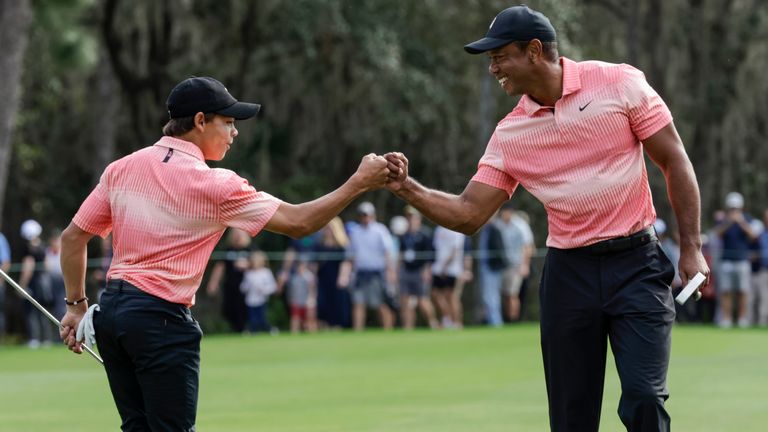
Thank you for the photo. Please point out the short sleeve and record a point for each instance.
(491, 170)
(95, 214)
(646, 110)
(243, 207)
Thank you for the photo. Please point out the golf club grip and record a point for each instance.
(45, 312)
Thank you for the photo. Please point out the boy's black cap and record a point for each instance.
(206, 95)
(514, 24)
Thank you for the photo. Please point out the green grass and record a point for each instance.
(472, 380)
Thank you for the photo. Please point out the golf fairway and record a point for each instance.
(477, 379)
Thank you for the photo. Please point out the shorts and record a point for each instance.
(739, 272)
(511, 281)
(368, 288)
(412, 284)
(298, 311)
(443, 282)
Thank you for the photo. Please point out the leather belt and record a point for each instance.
(620, 244)
(119, 285)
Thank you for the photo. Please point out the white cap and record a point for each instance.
(734, 200)
(660, 226)
(398, 225)
(30, 229)
(366, 208)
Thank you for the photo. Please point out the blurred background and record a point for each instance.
(84, 82)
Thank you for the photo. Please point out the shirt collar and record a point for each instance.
(182, 146)
(571, 84)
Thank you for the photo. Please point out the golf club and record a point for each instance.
(39, 307)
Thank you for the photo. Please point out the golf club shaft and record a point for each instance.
(39, 307)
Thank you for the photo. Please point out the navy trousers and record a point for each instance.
(151, 352)
(592, 298)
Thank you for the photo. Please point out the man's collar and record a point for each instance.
(181, 145)
(571, 77)
(571, 84)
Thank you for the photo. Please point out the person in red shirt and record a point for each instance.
(166, 210)
(575, 141)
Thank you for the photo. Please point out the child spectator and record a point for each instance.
(302, 297)
(257, 285)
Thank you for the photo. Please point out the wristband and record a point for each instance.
(76, 302)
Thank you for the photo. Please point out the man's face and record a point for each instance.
(217, 136)
(512, 68)
(366, 219)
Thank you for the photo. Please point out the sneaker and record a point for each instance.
(726, 324)
(33, 344)
(743, 323)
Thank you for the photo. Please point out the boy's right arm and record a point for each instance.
(299, 220)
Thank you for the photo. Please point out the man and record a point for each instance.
(5, 265)
(575, 141)
(416, 252)
(167, 210)
(369, 252)
(736, 236)
(518, 248)
(446, 271)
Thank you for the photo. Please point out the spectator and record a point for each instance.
(755, 263)
(302, 297)
(526, 221)
(415, 247)
(258, 284)
(491, 266)
(369, 253)
(735, 269)
(464, 278)
(333, 302)
(227, 275)
(53, 268)
(333, 274)
(35, 280)
(447, 268)
(5, 265)
(518, 248)
(761, 285)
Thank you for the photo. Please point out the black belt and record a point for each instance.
(119, 285)
(620, 244)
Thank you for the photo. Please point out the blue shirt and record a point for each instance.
(736, 243)
(5, 250)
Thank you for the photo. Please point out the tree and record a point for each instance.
(15, 17)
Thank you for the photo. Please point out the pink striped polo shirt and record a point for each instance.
(166, 210)
(584, 159)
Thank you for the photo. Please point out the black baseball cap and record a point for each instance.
(206, 95)
(514, 24)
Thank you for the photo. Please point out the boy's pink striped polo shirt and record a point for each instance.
(583, 159)
(167, 210)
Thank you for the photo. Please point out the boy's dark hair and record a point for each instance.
(180, 126)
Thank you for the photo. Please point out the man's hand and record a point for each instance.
(69, 324)
(397, 164)
(372, 172)
(691, 262)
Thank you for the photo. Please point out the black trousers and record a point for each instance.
(151, 352)
(589, 299)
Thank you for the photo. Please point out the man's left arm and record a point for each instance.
(666, 150)
(74, 248)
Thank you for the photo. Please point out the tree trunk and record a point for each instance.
(15, 17)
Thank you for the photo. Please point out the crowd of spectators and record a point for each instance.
(362, 273)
